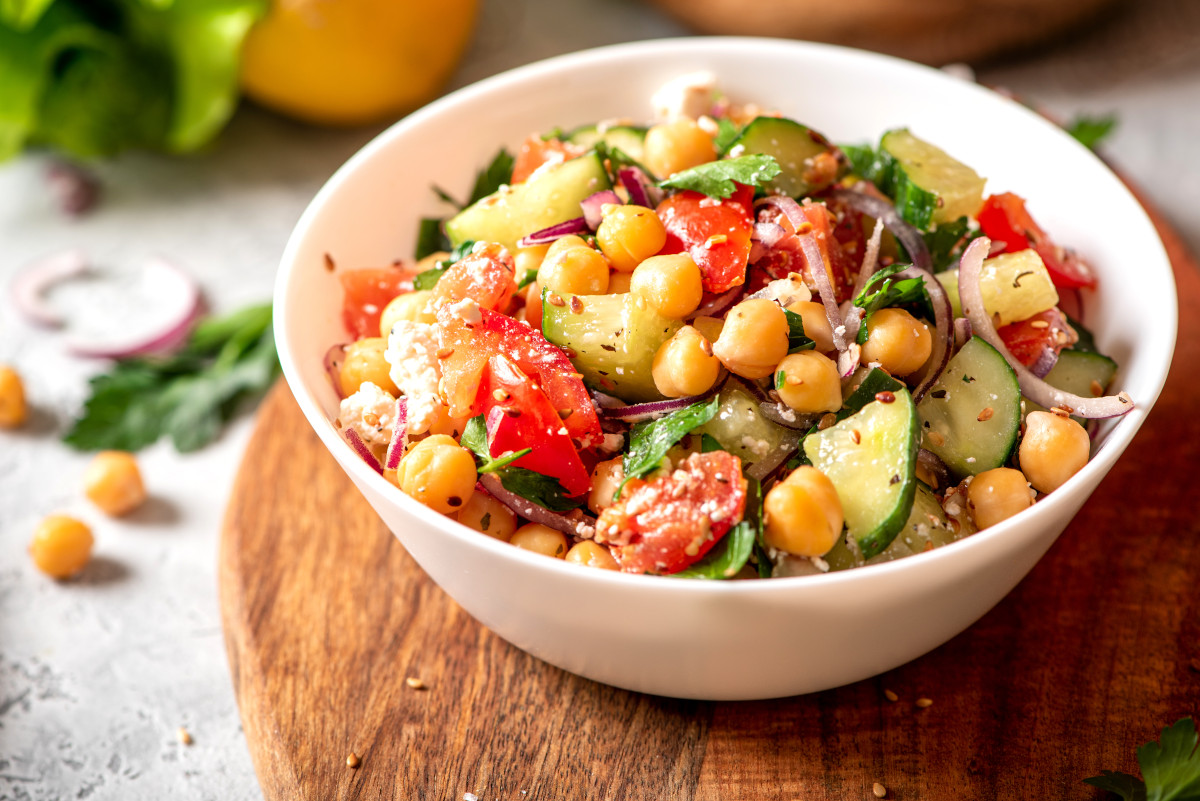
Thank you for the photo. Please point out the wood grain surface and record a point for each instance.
(326, 617)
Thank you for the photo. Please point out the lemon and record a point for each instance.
(352, 62)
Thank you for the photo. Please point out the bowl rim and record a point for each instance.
(1091, 475)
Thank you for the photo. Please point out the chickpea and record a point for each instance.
(628, 235)
(754, 338)
(540, 539)
(563, 243)
(709, 326)
(114, 483)
(485, 514)
(803, 513)
(578, 270)
(364, 361)
(672, 284)
(1053, 449)
(619, 283)
(431, 261)
(533, 305)
(606, 477)
(62, 546)
(998, 494)
(809, 382)
(899, 342)
(438, 473)
(589, 554)
(412, 306)
(685, 365)
(443, 423)
(13, 410)
(816, 323)
(677, 145)
(530, 258)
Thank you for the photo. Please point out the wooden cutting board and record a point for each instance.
(326, 617)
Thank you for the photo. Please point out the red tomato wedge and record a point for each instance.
(367, 292)
(1028, 339)
(715, 233)
(469, 336)
(536, 151)
(839, 265)
(670, 523)
(485, 276)
(519, 416)
(1005, 219)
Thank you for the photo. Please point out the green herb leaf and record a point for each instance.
(729, 556)
(708, 443)
(947, 241)
(884, 291)
(719, 178)
(1170, 768)
(428, 278)
(1091, 131)
(797, 341)
(1128, 787)
(865, 162)
(446, 197)
(187, 396)
(430, 238)
(875, 382)
(541, 489)
(650, 442)
(528, 278)
(21, 15)
(727, 133)
(493, 176)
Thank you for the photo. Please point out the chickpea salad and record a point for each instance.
(720, 346)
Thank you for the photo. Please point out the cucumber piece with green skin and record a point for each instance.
(871, 458)
(925, 529)
(629, 138)
(613, 339)
(740, 427)
(1075, 371)
(926, 183)
(808, 161)
(1015, 286)
(971, 417)
(548, 198)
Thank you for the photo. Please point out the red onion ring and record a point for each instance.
(962, 332)
(577, 524)
(593, 205)
(177, 291)
(884, 211)
(639, 412)
(576, 225)
(399, 443)
(943, 335)
(333, 367)
(848, 350)
(784, 205)
(642, 191)
(1045, 362)
(361, 448)
(1032, 387)
(28, 290)
(870, 262)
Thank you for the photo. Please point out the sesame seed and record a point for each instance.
(936, 438)
(576, 305)
(569, 353)
(938, 393)
(827, 421)
(555, 299)
(444, 353)
(1039, 324)
(501, 395)
(1062, 410)
(985, 415)
(184, 735)
(330, 264)
(885, 397)
(512, 412)
(793, 380)
(891, 696)
(352, 761)
(716, 239)
(879, 790)
(371, 419)
(1096, 388)
(855, 437)
(415, 683)
(563, 414)
(924, 703)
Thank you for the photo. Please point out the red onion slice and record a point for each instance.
(576, 524)
(761, 468)
(962, 332)
(870, 262)
(785, 206)
(884, 211)
(1032, 387)
(73, 188)
(576, 225)
(1045, 362)
(29, 290)
(333, 367)
(640, 412)
(936, 468)
(399, 443)
(781, 414)
(594, 204)
(848, 351)
(642, 191)
(174, 299)
(943, 335)
(361, 448)
(716, 305)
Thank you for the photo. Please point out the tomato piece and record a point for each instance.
(518, 416)
(1005, 219)
(1028, 339)
(670, 523)
(471, 336)
(536, 151)
(839, 265)
(367, 292)
(715, 233)
(486, 276)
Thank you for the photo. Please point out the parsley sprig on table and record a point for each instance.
(187, 395)
(1170, 769)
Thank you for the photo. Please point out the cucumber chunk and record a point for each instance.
(927, 183)
(512, 212)
(1076, 370)
(871, 459)
(972, 415)
(925, 529)
(614, 339)
(741, 429)
(809, 163)
(630, 139)
(1015, 286)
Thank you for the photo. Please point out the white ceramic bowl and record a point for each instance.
(746, 639)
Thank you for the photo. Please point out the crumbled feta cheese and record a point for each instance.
(759, 447)
(370, 412)
(412, 353)
(688, 95)
(787, 291)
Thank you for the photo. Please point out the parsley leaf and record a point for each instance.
(430, 238)
(796, 338)
(708, 443)
(541, 489)
(884, 291)
(947, 241)
(429, 278)
(718, 178)
(727, 133)
(865, 162)
(730, 555)
(474, 439)
(1091, 131)
(491, 177)
(1170, 768)
(188, 395)
(650, 442)
(528, 278)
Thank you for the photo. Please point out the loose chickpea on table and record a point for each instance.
(13, 409)
(62, 546)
